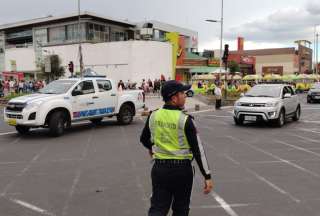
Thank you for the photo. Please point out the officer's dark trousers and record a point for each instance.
(171, 186)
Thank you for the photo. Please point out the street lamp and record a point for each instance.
(315, 48)
(221, 41)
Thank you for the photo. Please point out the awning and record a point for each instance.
(203, 70)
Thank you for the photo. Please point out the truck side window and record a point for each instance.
(291, 90)
(104, 85)
(86, 87)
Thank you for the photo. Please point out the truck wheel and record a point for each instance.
(281, 120)
(22, 129)
(125, 115)
(96, 121)
(297, 114)
(238, 121)
(57, 123)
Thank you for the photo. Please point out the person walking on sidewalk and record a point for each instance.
(218, 95)
(171, 137)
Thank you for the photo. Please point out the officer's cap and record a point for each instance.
(172, 87)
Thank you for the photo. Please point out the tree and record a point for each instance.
(56, 69)
(234, 67)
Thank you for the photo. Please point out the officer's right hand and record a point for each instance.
(208, 185)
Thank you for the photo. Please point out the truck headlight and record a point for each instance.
(33, 105)
(272, 104)
(237, 103)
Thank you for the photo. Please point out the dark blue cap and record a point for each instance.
(172, 87)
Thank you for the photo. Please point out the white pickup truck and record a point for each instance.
(65, 101)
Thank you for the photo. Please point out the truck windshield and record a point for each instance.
(58, 87)
(264, 91)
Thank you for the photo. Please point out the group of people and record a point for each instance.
(147, 86)
(14, 86)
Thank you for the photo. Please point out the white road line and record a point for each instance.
(32, 207)
(201, 111)
(304, 138)
(276, 161)
(77, 176)
(219, 206)
(277, 157)
(261, 178)
(8, 133)
(312, 131)
(218, 116)
(298, 148)
(223, 204)
(22, 172)
(312, 122)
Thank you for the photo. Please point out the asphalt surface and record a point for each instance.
(92, 170)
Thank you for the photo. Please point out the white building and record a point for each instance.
(110, 46)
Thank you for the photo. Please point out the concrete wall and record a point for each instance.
(134, 60)
(287, 61)
(24, 57)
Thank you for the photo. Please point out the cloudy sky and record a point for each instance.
(263, 23)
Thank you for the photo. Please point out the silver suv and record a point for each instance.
(268, 102)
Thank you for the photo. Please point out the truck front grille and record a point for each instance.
(14, 116)
(15, 107)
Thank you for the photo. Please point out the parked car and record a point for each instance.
(314, 93)
(268, 102)
(65, 101)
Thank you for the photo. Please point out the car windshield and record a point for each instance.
(58, 87)
(264, 91)
(316, 86)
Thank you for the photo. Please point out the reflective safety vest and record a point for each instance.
(168, 136)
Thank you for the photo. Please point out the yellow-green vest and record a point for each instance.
(168, 136)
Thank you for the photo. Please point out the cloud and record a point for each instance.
(282, 26)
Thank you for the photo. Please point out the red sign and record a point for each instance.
(181, 51)
(247, 60)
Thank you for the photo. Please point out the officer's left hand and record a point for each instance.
(151, 153)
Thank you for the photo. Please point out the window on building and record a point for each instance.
(72, 32)
(98, 33)
(57, 34)
(118, 35)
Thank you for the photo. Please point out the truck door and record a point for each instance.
(107, 97)
(83, 105)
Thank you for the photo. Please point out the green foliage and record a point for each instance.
(233, 66)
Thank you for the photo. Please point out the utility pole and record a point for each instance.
(79, 38)
(317, 42)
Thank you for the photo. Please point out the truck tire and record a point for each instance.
(96, 121)
(297, 114)
(282, 119)
(125, 115)
(57, 123)
(22, 129)
(238, 121)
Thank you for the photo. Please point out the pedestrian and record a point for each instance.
(171, 137)
(218, 95)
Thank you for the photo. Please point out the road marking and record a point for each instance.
(219, 206)
(312, 122)
(304, 138)
(261, 178)
(32, 207)
(307, 130)
(218, 116)
(78, 175)
(8, 133)
(201, 111)
(223, 204)
(298, 148)
(277, 157)
(22, 172)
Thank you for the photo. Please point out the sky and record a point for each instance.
(263, 23)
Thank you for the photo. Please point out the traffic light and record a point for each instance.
(225, 54)
(70, 65)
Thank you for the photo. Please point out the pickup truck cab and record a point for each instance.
(269, 103)
(65, 101)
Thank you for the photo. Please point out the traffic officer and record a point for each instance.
(171, 137)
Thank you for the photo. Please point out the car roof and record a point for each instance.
(85, 78)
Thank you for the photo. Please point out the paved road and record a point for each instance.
(104, 170)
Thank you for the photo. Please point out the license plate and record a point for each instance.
(250, 118)
(12, 122)
(317, 97)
